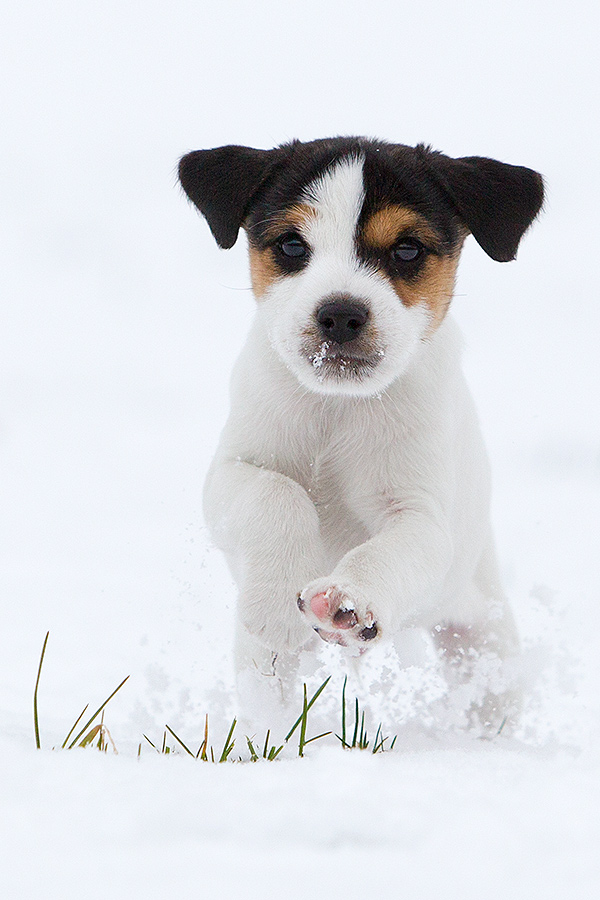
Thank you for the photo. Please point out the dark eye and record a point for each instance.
(292, 246)
(407, 251)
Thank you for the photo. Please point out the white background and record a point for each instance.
(119, 322)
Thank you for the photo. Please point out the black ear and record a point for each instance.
(496, 201)
(222, 182)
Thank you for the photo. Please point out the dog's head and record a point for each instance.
(354, 244)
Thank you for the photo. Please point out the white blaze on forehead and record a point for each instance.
(290, 304)
(337, 196)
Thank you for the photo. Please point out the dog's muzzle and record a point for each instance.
(341, 345)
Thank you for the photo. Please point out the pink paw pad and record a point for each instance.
(320, 605)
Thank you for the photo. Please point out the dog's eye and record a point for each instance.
(292, 246)
(407, 250)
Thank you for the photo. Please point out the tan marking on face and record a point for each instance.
(384, 227)
(433, 288)
(263, 269)
(434, 285)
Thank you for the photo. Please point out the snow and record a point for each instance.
(120, 321)
(446, 821)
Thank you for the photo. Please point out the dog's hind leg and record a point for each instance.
(480, 656)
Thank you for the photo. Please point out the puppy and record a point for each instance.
(350, 489)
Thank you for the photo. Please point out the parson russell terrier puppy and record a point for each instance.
(350, 489)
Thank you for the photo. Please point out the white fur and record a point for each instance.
(375, 493)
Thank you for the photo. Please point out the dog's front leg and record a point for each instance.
(269, 529)
(385, 583)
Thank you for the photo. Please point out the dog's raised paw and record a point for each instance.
(337, 619)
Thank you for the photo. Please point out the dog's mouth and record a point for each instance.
(330, 360)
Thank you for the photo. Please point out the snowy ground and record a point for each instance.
(120, 320)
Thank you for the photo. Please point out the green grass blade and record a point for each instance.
(375, 745)
(229, 744)
(393, 742)
(36, 723)
(97, 713)
(303, 720)
(310, 703)
(150, 742)
(293, 728)
(268, 734)
(274, 752)
(253, 753)
(356, 718)
(74, 726)
(102, 745)
(318, 737)
(202, 750)
(178, 739)
(363, 741)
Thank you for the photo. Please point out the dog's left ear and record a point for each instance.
(496, 201)
(222, 183)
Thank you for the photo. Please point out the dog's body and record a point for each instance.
(350, 490)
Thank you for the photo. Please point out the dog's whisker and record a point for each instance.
(229, 287)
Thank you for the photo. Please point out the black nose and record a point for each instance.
(341, 320)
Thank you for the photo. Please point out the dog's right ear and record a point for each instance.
(222, 183)
(496, 201)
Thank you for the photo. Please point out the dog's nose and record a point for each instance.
(341, 320)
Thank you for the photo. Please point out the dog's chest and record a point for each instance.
(339, 459)
(330, 485)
